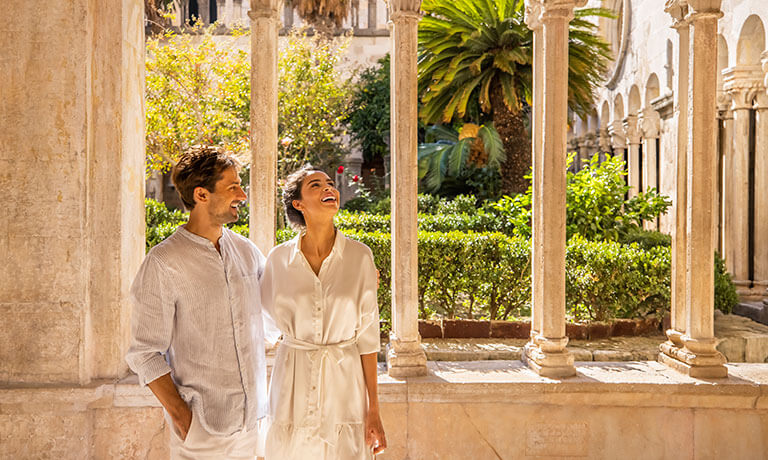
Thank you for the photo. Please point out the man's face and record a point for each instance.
(226, 198)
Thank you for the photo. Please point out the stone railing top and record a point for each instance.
(631, 384)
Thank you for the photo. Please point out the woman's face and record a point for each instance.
(319, 197)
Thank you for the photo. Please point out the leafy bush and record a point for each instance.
(369, 122)
(161, 222)
(313, 99)
(198, 92)
(606, 279)
(725, 292)
(595, 204)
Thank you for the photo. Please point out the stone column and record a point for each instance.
(405, 356)
(546, 353)
(618, 141)
(604, 143)
(678, 11)
(591, 145)
(698, 356)
(632, 134)
(204, 10)
(265, 20)
(650, 125)
(532, 19)
(72, 164)
(726, 201)
(573, 146)
(761, 189)
(742, 85)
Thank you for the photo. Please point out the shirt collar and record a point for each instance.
(197, 239)
(338, 245)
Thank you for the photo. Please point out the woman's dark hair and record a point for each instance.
(292, 191)
(200, 166)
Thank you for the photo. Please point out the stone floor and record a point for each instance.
(741, 340)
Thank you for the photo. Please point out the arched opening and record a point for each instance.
(652, 92)
(751, 42)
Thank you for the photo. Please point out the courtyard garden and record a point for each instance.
(473, 159)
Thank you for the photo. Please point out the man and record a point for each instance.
(197, 329)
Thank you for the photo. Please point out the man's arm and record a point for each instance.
(165, 391)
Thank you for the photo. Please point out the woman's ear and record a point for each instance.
(297, 205)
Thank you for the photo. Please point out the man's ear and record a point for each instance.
(201, 194)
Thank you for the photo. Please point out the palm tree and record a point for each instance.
(475, 61)
(325, 16)
(447, 153)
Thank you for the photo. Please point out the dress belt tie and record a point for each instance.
(319, 353)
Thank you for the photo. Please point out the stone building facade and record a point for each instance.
(635, 119)
(71, 241)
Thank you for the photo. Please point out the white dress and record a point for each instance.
(318, 397)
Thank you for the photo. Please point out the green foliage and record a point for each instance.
(313, 98)
(595, 204)
(197, 92)
(468, 49)
(607, 279)
(446, 155)
(369, 121)
(161, 222)
(725, 292)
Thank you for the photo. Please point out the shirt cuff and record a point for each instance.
(154, 368)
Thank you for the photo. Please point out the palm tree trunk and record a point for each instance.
(511, 128)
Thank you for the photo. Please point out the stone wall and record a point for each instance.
(478, 410)
(71, 156)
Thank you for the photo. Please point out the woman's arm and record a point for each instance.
(374, 431)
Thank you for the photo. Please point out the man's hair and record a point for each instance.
(200, 166)
(292, 191)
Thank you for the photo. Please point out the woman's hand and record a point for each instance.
(374, 432)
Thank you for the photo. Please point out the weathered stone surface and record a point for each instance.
(139, 433)
(40, 342)
(44, 435)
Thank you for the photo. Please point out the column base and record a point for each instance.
(707, 365)
(548, 363)
(405, 359)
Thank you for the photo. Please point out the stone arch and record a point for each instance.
(751, 41)
(651, 89)
(593, 123)
(634, 101)
(605, 114)
(618, 108)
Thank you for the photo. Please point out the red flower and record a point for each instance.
(356, 178)
(340, 170)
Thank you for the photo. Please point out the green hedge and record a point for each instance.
(487, 274)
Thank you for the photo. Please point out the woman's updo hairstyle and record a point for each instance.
(292, 191)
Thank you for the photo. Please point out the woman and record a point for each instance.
(320, 288)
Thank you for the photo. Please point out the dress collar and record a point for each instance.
(338, 245)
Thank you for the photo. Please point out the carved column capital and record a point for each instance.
(631, 129)
(405, 9)
(678, 9)
(604, 140)
(743, 84)
(650, 122)
(764, 62)
(616, 131)
(264, 9)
